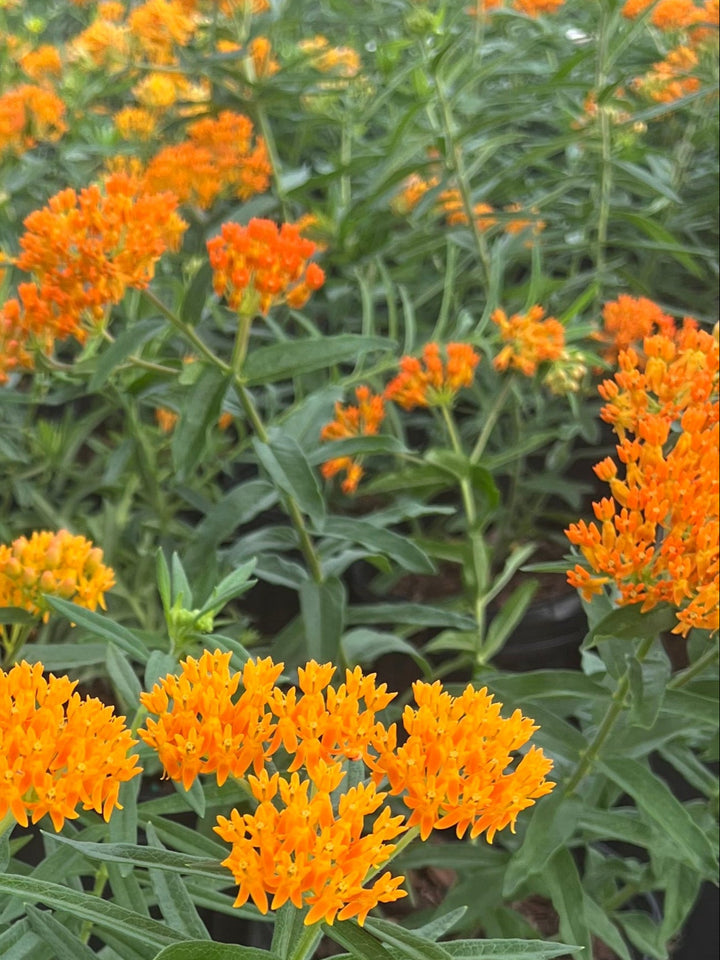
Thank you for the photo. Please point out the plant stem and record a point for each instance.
(615, 708)
(294, 512)
(490, 421)
(305, 945)
(605, 156)
(689, 673)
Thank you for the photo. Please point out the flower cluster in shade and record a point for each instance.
(363, 420)
(655, 538)
(262, 265)
(431, 381)
(59, 564)
(58, 751)
(219, 156)
(694, 29)
(531, 341)
(311, 840)
(83, 250)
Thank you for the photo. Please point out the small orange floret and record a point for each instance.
(530, 340)
(364, 420)
(434, 381)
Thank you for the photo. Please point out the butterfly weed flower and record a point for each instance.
(627, 321)
(535, 8)
(455, 767)
(530, 339)
(435, 379)
(29, 114)
(655, 539)
(58, 751)
(58, 564)
(302, 849)
(363, 420)
(261, 265)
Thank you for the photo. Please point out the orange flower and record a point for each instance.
(104, 44)
(301, 850)
(531, 340)
(264, 64)
(42, 63)
(259, 266)
(452, 204)
(518, 224)
(657, 536)
(218, 156)
(438, 381)
(158, 27)
(59, 564)
(452, 769)
(135, 123)
(85, 249)
(58, 751)
(670, 78)
(166, 419)
(535, 8)
(29, 115)
(628, 320)
(361, 421)
(413, 190)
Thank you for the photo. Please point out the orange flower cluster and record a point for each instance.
(434, 381)
(84, 250)
(657, 538)
(413, 190)
(343, 61)
(57, 751)
(361, 421)
(530, 340)
(158, 27)
(452, 204)
(43, 63)
(670, 79)
(670, 14)
(264, 64)
(56, 563)
(628, 320)
(259, 266)
(452, 768)
(218, 156)
(535, 8)
(303, 843)
(29, 115)
(307, 853)
(166, 419)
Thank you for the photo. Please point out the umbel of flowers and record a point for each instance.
(656, 536)
(308, 840)
(57, 750)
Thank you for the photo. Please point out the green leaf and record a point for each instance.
(287, 465)
(363, 646)
(231, 586)
(648, 683)
(291, 358)
(174, 901)
(66, 656)
(507, 949)
(515, 560)
(461, 468)
(377, 540)
(627, 623)
(88, 907)
(198, 417)
(509, 616)
(322, 607)
(356, 447)
(149, 858)
(10, 615)
(602, 926)
(123, 678)
(181, 591)
(440, 925)
(363, 946)
(238, 506)
(202, 950)
(128, 341)
(65, 944)
(194, 796)
(409, 942)
(100, 626)
(162, 573)
(658, 804)
(289, 929)
(692, 707)
(643, 933)
(682, 885)
(198, 292)
(566, 892)
(412, 614)
(551, 824)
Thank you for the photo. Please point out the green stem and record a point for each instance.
(242, 338)
(689, 673)
(490, 421)
(305, 945)
(615, 708)
(605, 157)
(188, 332)
(448, 290)
(101, 876)
(269, 139)
(6, 824)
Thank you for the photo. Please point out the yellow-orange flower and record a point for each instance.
(42, 63)
(219, 155)
(628, 320)
(158, 27)
(518, 224)
(84, 250)
(451, 203)
(657, 535)
(57, 751)
(452, 770)
(104, 44)
(671, 78)
(29, 115)
(259, 266)
(413, 190)
(434, 381)
(361, 421)
(166, 419)
(530, 340)
(59, 564)
(264, 64)
(534, 8)
(302, 850)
